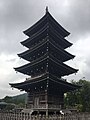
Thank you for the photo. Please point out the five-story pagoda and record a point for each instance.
(46, 55)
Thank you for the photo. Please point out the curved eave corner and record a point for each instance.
(19, 55)
(11, 84)
(76, 86)
(70, 44)
(22, 42)
(17, 69)
(73, 56)
(15, 85)
(76, 70)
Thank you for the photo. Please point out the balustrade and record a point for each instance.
(27, 116)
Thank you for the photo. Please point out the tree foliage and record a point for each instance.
(79, 98)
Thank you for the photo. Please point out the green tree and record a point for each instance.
(79, 98)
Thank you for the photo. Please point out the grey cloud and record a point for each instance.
(11, 60)
(20, 12)
(16, 16)
(11, 78)
(78, 18)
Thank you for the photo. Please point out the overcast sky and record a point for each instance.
(18, 15)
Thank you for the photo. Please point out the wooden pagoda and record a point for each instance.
(46, 55)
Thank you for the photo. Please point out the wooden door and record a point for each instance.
(36, 102)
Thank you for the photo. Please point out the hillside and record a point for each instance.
(18, 100)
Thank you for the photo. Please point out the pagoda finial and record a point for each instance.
(46, 9)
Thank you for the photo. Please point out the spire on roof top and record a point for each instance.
(46, 9)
